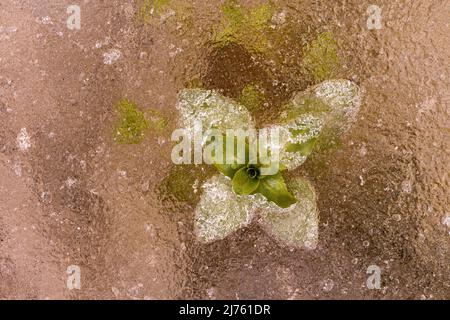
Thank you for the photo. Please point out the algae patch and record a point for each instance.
(247, 27)
(252, 98)
(151, 7)
(321, 58)
(182, 182)
(132, 125)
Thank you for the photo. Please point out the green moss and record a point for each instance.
(183, 183)
(150, 8)
(251, 98)
(195, 83)
(132, 124)
(260, 17)
(321, 58)
(233, 20)
(233, 13)
(180, 183)
(247, 27)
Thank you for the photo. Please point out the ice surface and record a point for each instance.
(111, 56)
(23, 140)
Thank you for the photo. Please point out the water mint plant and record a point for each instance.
(240, 194)
(248, 178)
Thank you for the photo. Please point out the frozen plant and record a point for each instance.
(239, 194)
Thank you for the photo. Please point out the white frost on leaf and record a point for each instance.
(212, 109)
(298, 225)
(220, 211)
(344, 98)
(333, 104)
(300, 130)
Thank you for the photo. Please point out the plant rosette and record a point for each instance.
(240, 194)
(248, 176)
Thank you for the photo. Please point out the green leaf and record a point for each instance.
(243, 184)
(275, 190)
(223, 165)
(304, 148)
(281, 168)
(228, 169)
(296, 226)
